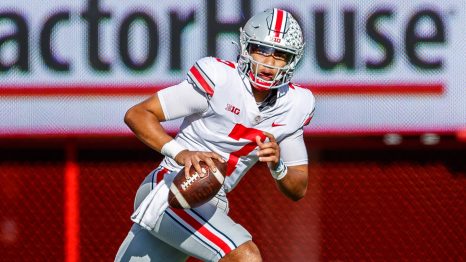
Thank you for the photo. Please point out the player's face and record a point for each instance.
(268, 56)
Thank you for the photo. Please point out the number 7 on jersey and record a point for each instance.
(239, 131)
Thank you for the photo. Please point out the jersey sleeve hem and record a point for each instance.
(163, 105)
(296, 162)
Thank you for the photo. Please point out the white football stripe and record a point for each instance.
(219, 176)
(179, 197)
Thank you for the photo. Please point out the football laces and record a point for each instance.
(190, 180)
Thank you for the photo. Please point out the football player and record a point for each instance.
(240, 113)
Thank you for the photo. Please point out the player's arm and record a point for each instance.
(291, 169)
(145, 118)
(294, 184)
(291, 172)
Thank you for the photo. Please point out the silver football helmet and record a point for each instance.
(272, 31)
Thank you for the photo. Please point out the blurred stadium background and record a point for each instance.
(387, 145)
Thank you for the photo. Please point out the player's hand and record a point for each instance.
(188, 158)
(269, 152)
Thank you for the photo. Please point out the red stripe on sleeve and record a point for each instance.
(308, 120)
(201, 81)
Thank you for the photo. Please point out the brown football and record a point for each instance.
(196, 190)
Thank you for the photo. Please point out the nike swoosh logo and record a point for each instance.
(275, 124)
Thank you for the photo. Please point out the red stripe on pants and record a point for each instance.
(161, 174)
(202, 230)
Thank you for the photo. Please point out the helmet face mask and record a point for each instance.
(275, 33)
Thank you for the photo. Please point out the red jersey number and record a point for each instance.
(239, 131)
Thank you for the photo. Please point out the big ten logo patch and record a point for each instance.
(233, 109)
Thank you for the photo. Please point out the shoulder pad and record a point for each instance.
(310, 105)
(208, 73)
(305, 100)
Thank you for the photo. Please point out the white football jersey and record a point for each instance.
(232, 121)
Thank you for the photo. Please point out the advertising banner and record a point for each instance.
(75, 67)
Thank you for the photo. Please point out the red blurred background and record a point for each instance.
(365, 201)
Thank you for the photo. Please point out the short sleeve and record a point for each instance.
(310, 108)
(181, 100)
(293, 149)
